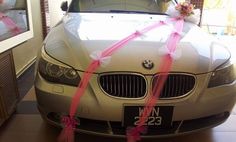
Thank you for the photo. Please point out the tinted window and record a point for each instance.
(149, 6)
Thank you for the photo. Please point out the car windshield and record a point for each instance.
(120, 6)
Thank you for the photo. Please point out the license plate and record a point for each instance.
(160, 117)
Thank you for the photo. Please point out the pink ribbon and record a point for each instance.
(67, 133)
(133, 134)
(11, 25)
(123, 42)
(164, 68)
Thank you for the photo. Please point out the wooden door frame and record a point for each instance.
(45, 18)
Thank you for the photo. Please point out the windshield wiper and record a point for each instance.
(136, 12)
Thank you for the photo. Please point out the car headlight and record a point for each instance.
(58, 74)
(222, 76)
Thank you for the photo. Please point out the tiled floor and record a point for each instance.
(27, 126)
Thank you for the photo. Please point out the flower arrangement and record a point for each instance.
(185, 9)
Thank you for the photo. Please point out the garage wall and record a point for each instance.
(25, 54)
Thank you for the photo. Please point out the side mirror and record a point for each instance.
(64, 6)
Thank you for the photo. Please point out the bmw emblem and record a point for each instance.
(148, 64)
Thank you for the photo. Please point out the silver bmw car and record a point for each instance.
(199, 92)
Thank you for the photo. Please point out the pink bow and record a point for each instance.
(103, 60)
(67, 135)
(69, 122)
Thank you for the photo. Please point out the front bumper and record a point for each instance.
(101, 114)
(115, 129)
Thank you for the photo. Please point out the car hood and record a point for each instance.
(77, 36)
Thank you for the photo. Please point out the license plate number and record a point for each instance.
(160, 116)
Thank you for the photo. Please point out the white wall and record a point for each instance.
(25, 53)
(55, 11)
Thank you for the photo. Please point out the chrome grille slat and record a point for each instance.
(173, 86)
(134, 87)
(137, 84)
(185, 85)
(178, 82)
(165, 89)
(107, 85)
(169, 89)
(182, 85)
(126, 85)
(130, 87)
(175, 90)
(114, 82)
(123, 85)
(111, 85)
(189, 85)
(119, 87)
(141, 87)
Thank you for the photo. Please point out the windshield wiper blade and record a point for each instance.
(136, 12)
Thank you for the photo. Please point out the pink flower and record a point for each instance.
(185, 9)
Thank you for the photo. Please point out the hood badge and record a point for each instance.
(148, 64)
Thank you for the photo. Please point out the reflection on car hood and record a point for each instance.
(79, 35)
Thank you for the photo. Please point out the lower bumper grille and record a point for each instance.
(116, 128)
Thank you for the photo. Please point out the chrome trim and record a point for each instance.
(179, 97)
(109, 128)
(123, 88)
(177, 130)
